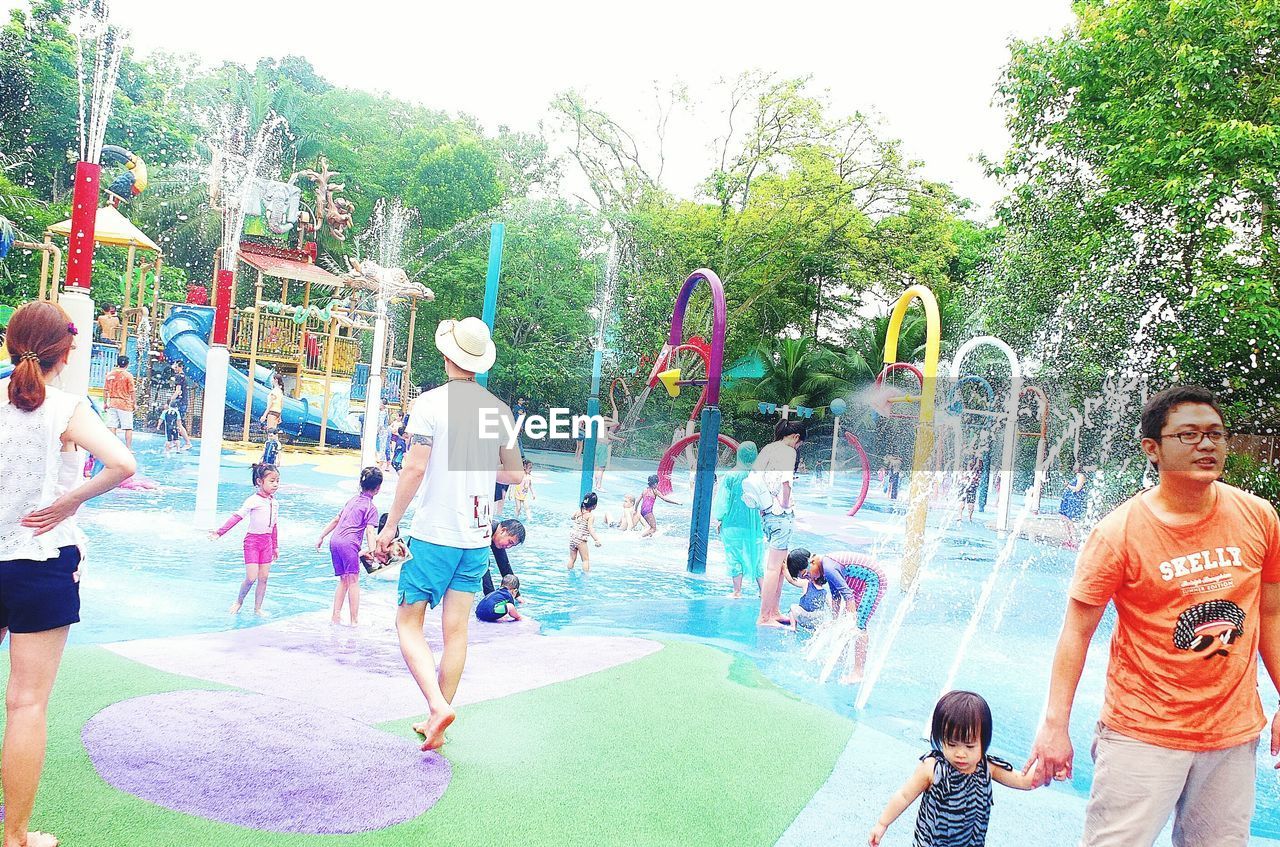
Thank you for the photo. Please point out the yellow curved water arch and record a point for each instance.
(918, 499)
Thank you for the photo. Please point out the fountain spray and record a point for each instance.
(389, 225)
(231, 175)
(93, 31)
(592, 441)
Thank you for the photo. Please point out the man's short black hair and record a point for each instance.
(785, 428)
(513, 528)
(1156, 413)
(122, 361)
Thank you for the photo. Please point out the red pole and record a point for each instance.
(84, 219)
(222, 311)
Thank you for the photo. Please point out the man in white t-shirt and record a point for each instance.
(774, 473)
(457, 452)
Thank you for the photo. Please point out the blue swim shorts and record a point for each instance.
(435, 569)
(36, 596)
(777, 529)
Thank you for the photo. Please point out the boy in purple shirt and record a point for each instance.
(348, 528)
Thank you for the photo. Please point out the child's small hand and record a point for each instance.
(213, 535)
(597, 543)
(320, 542)
(877, 832)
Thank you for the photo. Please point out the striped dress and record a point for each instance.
(955, 809)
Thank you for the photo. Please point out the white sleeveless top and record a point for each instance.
(34, 472)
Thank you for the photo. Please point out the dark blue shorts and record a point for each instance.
(39, 596)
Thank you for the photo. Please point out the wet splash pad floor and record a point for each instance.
(560, 740)
(655, 744)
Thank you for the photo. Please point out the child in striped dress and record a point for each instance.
(953, 780)
(583, 528)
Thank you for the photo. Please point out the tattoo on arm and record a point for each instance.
(424, 440)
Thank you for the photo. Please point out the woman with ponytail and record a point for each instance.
(42, 431)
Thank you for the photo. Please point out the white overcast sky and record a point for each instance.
(928, 67)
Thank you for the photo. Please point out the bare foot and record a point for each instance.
(851, 678)
(40, 839)
(235, 608)
(262, 614)
(335, 621)
(355, 622)
(737, 595)
(771, 622)
(432, 729)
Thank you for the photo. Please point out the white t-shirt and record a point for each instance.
(453, 504)
(35, 472)
(774, 467)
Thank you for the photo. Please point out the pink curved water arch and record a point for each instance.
(866, 471)
(900, 366)
(668, 462)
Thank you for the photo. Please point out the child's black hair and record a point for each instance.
(370, 479)
(590, 500)
(513, 528)
(261, 470)
(653, 479)
(790, 427)
(961, 717)
(382, 523)
(797, 560)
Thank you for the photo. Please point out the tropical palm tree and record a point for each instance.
(797, 372)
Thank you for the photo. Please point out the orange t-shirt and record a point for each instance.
(118, 386)
(1184, 657)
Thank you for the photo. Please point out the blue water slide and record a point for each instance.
(186, 337)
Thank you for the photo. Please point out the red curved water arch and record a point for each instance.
(669, 458)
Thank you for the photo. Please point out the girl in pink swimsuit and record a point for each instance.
(647, 498)
(261, 541)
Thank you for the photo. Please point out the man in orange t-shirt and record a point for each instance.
(121, 400)
(1193, 567)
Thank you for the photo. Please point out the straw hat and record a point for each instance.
(467, 344)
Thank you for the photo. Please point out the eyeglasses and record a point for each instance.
(1194, 437)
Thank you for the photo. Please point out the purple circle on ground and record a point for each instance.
(262, 762)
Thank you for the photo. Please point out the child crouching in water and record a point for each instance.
(954, 778)
(856, 586)
(583, 528)
(261, 539)
(500, 605)
(349, 529)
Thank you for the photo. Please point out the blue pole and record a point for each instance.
(496, 231)
(589, 445)
(703, 489)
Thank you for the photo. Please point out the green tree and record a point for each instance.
(1141, 223)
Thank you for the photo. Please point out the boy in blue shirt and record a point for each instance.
(500, 605)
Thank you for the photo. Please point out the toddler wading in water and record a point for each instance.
(524, 492)
(583, 528)
(954, 779)
(261, 540)
(349, 529)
